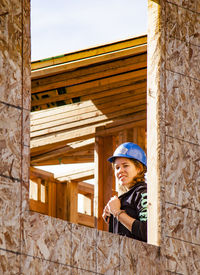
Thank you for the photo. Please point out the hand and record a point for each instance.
(114, 205)
(106, 214)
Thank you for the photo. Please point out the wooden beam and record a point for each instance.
(86, 220)
(85, 188)
(44, 114)
(103, 131)
(67, 149)
(103, 177)
(72, 201)
(99, 85)
(65, 160)
(122, 107)
(89, 73)
(63, 112)
(75, 134)
(77, 176)
(139, 136)
(38, 206)
(52, 198)
(57, 140)
(135, 42)
(39, 173)
(113, 89)
(92, 111)
(43, 145)
(61, 200)
(117, 93)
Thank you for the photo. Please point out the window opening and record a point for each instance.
(77, 99)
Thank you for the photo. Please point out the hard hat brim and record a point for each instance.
(112, 159)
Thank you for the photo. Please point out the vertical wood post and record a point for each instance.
(72, 201)
(61, 200)
(52, 199)
(104, 179)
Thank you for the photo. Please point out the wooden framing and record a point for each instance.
(47, 207)
(103, 96)
(61, 196)
(113, 73)
(88, 53)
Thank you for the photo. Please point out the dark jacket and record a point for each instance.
(134, 202)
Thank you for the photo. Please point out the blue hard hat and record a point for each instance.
(129, 150)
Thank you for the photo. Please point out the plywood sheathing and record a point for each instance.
(173, 103)
(41, 244)
(14, 129)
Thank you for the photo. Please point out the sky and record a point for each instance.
(63, 26)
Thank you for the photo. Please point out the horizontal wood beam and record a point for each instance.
(89, 73)
(78, 176)
(124, 106)
(44, 114)
(76, 134)
(39, 173)
(93, 53)
(74, 157)
(67, 149)
(91, 93)
(38, 206)
(97, 101)
(103, 131)
(85, 188)
(86, 220)
(64, 160)
(87, 112)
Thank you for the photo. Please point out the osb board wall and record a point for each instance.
(31, 243)
(173, 131)
(181, 234)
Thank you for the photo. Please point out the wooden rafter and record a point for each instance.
(109, 85)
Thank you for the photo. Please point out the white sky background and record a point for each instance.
(62, 26)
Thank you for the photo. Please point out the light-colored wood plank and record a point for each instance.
(85, 188)
(53, 114)
(38, 206)
(64, 160)
(39, 173)
(91, 95)
(72, 201)
(52, 199)
(89, 74)
(111, 113)
(86, 220)
(135, 42)
(61, 200)
(76, 134)
(93, 111)
(68, 148)
(44, 114)
(95, 85)
(78, 176)
(103, 131)
(103, 177)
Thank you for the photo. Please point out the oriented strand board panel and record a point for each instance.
(42, 244)
(173, 141)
